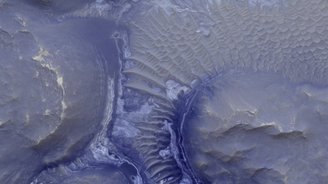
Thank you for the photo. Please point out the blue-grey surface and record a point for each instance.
(163, 91)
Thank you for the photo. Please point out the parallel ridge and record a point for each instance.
(169, 45)
(160, 168)
(176, 45)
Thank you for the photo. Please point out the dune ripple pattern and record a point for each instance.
(178, 50)
(163, 91)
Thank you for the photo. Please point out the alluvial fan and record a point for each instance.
(258, 69)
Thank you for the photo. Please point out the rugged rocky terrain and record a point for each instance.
(163, 91)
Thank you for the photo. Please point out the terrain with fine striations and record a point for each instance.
(153, 91)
